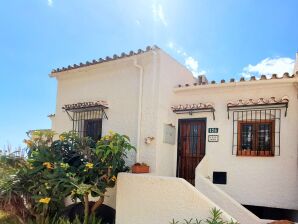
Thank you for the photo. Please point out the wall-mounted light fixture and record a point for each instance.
(148, 140)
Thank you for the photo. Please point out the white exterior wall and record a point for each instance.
(117, 82)
(146, 199)
(261, 181)
(147, 153)
(225, 201)
(171, 74)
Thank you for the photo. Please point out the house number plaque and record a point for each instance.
(213, 138)
(212, 130)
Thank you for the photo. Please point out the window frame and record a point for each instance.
(255, 151)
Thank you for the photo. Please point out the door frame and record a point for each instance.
(178, 136)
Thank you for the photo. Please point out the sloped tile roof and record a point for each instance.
(198, 106)
(260, 101)
(103, 60)
(82, 105)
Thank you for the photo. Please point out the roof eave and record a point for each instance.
(235, 84)
(123, 55)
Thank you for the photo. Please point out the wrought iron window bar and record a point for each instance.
(86, 114)
(257, 116)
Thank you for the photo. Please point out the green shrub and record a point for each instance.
(215, 218)
(56, 169)
(7, 219)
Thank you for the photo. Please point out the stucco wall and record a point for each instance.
(171, 74)
(146, 199)
(262, 181)
(147, 152)
(253, 181)
(116, 82)
(226, 202)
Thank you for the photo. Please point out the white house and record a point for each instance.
(236, 141)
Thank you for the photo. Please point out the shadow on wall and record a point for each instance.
(273, 213)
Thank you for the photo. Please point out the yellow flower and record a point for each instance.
(64, 165)
(107, 137)
(89, 165)
(48, 165)
(44, 200)
(61, 138)
(114, 178)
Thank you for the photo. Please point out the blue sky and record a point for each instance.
(221, 39)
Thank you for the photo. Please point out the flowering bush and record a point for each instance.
(69, 166)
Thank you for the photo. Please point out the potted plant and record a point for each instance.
(140, 168)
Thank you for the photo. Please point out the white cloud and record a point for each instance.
(158, 14)
(269, 66)
(50, 3)
(191, 63)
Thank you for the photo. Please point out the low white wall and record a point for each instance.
(146, 199)
(225, 201)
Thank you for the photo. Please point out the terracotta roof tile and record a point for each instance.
(252, 78)
(242, 79)
(260, 101)
(107, 59)
(82, 105)
(198, 106)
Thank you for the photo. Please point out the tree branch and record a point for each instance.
(86, 208)
(97, 204)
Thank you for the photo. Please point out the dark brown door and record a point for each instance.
(191, 147)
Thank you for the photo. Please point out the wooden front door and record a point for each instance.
(191, 147)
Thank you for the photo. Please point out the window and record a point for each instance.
(257, 126)
(87, 117)
(256, 138)
(194, 137)
(92, 128)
